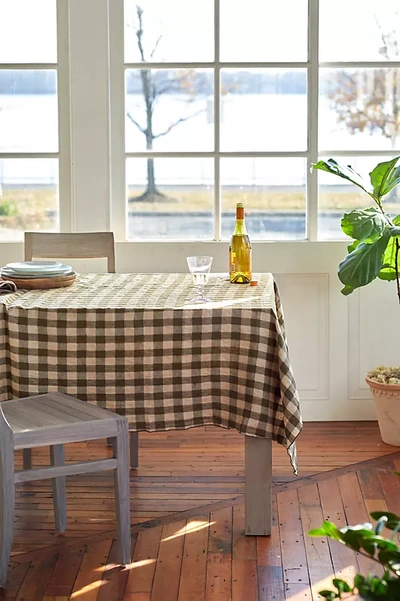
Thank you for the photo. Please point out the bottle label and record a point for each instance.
(232, 261)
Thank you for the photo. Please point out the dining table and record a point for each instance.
(134, 343)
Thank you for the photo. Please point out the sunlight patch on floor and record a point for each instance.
(88, 588)
(188, 529)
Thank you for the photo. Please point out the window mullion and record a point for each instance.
(313, 93)
(217, 124)
(117, 111)
(90, 96)
(64, 121)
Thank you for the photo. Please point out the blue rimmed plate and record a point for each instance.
(35, 266)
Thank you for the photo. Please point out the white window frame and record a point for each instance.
(91, 118)
(118, 68)
(63, 154)
(313, 152)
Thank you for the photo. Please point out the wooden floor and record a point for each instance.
(188, 520)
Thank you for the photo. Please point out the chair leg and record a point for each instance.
(59, 488)
(134, 448)
(121, 486)
(6, 504)
(27, 459)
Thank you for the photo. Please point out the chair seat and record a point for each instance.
(55, 418)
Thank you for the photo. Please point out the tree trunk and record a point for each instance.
(151, 179)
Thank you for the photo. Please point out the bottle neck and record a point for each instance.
(240, 228)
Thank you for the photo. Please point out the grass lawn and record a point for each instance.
(37, 208)
(29, 209)
(254, 199)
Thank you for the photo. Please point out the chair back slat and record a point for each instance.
(5, 428)
(87, 245)
(6, 451)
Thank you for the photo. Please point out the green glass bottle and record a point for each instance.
(240, 251)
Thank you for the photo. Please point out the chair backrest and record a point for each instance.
(5, 428)
(6, 446)
(87, 245)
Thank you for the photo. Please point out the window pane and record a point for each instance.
(257, 30)
(263, 109)
(28, 111)
(337, 196)
(169, 110)
(28, 196)
(359, 109)
(273, 192)
(170, 199)
(176, 30)
(28, 31)
(368, 30)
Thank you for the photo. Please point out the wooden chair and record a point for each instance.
(55, 419)
(88, 245)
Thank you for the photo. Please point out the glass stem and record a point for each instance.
(200, 291)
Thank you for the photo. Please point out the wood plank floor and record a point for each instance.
(188, 520)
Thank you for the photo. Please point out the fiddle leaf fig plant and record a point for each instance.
(375, 250)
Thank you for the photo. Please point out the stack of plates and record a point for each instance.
(39, 274)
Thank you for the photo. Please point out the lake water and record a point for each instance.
(250, 122)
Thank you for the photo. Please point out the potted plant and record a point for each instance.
(374, 253)
(367, 540)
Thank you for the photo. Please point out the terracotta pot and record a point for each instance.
(387, 405)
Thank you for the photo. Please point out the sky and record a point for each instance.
(28, 31)
(262, 30)
(258, 30)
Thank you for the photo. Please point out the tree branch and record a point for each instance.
(156, 46)
(171, 85)
(140, 128)
(139, 31)
(139, 35)
(181, 120)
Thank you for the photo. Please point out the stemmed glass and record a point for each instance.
(200, 268)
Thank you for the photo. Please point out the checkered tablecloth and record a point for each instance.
(134, 344)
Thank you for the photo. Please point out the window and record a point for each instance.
(230, 102)
(359, 98)
(183, 108)
(29, 118)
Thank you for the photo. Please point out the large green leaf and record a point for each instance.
(363, 265)
(366, 225)
(388, 271)
(385, 176)
(392, 519)
(346, 172)
(327, 529)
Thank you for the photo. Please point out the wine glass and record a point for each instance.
(200, 268)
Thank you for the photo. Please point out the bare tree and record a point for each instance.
(369, 101)
(152, 87)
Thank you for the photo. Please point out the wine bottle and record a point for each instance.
(240, 251)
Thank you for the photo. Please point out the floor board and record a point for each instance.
(188, 520)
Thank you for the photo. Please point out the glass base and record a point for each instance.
(199, 300)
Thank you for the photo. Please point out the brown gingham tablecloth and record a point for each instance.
(134, 344)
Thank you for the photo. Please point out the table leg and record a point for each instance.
(258, 485)
(134, 449)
